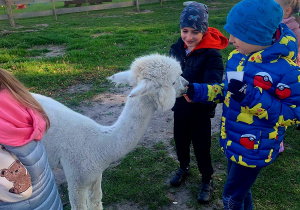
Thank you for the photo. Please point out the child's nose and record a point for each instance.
(189, 36)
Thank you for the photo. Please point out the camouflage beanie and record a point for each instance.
(195, 16)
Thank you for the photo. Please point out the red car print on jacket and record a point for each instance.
(248, 140)
(263, 80)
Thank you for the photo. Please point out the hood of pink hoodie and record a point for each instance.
(18, 124)
(291, 23)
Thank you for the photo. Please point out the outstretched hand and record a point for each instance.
(187, 98)
(189, 95)
(237, 89)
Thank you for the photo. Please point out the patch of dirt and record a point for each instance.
(141, 12)
(79, 88)
(42, 25)
(105, 109)
(39, 27)
(108, 16)
(100, 34)
(54, 50)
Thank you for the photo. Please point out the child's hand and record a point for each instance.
(237, 89)
(190, 93)
(187, 98)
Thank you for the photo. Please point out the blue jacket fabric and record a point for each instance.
(251, 131)
(44, 190)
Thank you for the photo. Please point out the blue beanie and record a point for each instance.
(254, 21)
(195, 16)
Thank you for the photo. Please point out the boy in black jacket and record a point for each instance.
(198, 51)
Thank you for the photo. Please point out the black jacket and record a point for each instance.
(200, 66)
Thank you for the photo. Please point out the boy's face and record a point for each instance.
(191, 37)
(243, 47)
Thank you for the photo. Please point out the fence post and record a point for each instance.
(137, 5)
(10, 14)
(54, 11)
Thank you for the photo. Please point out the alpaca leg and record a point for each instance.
(78, 196)
(78, 184)
(77, 188)
(95, 196)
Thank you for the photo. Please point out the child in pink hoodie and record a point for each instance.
(26, 180)
(22, 120)
(291, 9)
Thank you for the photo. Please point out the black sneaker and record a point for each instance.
(206, 192)
(180, 176)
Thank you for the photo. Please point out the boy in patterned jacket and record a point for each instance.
(257, 107)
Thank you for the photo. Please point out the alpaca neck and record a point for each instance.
(131, 125)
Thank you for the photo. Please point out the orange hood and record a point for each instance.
(212, 38)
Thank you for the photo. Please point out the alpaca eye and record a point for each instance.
(173, 83)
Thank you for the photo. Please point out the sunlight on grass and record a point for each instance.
(100, 43)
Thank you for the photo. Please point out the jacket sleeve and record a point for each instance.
(284, 108)
(211, 94)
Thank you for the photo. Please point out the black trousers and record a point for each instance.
(192, 127)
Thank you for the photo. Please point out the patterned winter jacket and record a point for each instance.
(251, 131)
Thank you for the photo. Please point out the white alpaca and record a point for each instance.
(84, 149)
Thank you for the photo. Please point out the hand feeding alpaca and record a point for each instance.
(84, 148)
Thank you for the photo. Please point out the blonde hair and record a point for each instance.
(21, 94)
(294, 4)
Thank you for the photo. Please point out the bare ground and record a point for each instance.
(105, 109)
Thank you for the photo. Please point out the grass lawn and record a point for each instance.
(99, 43)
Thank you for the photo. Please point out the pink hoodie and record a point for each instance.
(294, 26)
(18, 124)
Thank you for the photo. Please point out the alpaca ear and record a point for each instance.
(144, 87)
(124, 77)
(166, 98)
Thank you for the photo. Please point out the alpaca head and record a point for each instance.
(157, 76)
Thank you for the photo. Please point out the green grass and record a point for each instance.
(143, 185)
(278, 186)
(101, 43)
(122, 35)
